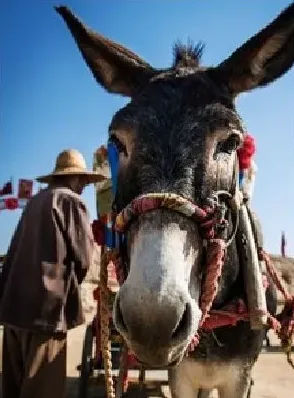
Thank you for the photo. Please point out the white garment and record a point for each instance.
(248, 182)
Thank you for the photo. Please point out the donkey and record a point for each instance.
(179, 134)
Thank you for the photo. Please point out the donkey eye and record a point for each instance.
(119, 145)
(230, 144)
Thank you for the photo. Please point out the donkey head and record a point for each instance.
(178, 134)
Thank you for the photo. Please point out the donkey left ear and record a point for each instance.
(115, 67)
(263, 58)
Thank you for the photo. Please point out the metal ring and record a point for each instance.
(222, 193)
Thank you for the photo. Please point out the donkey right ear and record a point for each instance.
(263, 58)
(116, 68)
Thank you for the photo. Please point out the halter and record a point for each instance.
(211, 217)
(213, 225)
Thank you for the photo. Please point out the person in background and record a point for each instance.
(47, 260)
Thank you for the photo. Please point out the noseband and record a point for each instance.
(211, 217)
(213, 227)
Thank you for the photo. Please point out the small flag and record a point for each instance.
(6, 189)
(11, 203)
(25, 189)
(283, 245)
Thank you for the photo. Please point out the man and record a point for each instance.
(47, 260)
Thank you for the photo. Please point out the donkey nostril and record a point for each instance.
(183, 324)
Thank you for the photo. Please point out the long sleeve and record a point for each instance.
(9, 257)
(79, 236)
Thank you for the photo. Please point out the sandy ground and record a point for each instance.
(272, 375)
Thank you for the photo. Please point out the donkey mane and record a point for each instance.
(187, 55)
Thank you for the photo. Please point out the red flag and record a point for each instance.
(25, 189)
(11, 203)
(283, 245)
(6, 189)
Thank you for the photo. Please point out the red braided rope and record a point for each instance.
(274, 275)
(174, 202)
(215, 260)
(283, 325)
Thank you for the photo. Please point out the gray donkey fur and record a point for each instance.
(179, 133)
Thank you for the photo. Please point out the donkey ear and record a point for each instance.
(116, 68)
(263, 58)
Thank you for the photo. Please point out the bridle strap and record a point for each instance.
(210, 217)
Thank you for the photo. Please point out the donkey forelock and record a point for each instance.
(187, 55)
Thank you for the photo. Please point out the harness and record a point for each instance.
(110, 233)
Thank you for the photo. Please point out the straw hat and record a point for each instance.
(71, 162)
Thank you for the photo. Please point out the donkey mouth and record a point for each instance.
(172, 364)
(162, 365)
(159, 358)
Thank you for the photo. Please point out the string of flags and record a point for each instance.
(24, 192)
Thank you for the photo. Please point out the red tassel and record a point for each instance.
(246, 152)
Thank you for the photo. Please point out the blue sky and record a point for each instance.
(50, 101)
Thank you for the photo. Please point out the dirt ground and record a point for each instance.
(273, 376)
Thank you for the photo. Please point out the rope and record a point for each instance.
(274, 275)
(283, 325)
(104, 316)
(215, 260)
(122, 382)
